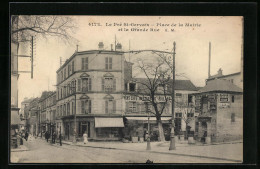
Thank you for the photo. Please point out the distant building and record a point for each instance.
(235, 78)
(47, 107)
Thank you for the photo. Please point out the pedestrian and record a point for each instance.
(26, 135)
(54, 137)
(47, 136)
(85, 136)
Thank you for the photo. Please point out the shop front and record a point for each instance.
(138, 127)
(108, 129)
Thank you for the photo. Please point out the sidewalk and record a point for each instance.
(230, 152)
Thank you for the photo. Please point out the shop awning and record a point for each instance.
(146, 118)
(109, 122)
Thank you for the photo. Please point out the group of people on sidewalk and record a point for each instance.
(48, 135)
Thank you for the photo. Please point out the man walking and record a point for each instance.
(54, 137)
(26, 135)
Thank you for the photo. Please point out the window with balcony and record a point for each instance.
(86, 84)
(68, 108)
(85, 106)
(110, 106)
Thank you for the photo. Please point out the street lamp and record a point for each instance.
(172, 142)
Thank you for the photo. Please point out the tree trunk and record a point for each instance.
(161, 132)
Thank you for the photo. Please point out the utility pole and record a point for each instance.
(172, 143)
(115, 42)
(209, 59)
(32, 60)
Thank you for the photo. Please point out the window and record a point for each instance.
(86, 84)
(61, 110)
(64, 110)
(233, 117)
(68, 108)
(64, 73)
(233, 99)
(69, 68)
(61, 92)
(190, 114)
(61, 75)
(178, 95)
(108, 63)
(85, 106)
(72, 107)
(110, 106)
(132, 87)
(84, 63)
(178, 115)
(79, 84)
(108, 84)
(132, 107)
(72, 66)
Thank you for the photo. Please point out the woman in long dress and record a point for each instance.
(85, 136)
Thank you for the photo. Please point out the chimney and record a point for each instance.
(220, 72)
(100, 46)
(118, 47)
(111, 47)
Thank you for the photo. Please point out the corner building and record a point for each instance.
(89, 95)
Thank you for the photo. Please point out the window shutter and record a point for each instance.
(127, 106)
(82, 63)
(86, 63)
(82, 107)
(114, 84)
(79, 85)
(110, 63)
(106, 106)
(89, 111)
(89, 84)
(106, 64)
(114, 106)
(103, 84)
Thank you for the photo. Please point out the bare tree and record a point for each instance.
(25, 26)
(156, 83)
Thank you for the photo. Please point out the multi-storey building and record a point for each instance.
(94, 95)
(136, 114)
(47, 106)
(32, 120)
(89, 94)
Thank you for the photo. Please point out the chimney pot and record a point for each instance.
(100, 45)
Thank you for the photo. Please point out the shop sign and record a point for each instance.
(146, 98)
(224, 105)
(223, 98)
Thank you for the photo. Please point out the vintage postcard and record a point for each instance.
(126, 89)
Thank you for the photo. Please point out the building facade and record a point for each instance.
(89, 94)
(220, 108)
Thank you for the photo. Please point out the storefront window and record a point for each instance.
(107, 132)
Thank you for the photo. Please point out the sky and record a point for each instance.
(192, 46)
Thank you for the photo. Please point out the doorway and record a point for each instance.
(85, 126)
(67, 131)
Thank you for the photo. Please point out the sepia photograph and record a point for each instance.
(126, 89)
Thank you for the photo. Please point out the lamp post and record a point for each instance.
(172, 142)
(148, 147)
(74, 134)
(60, 135)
